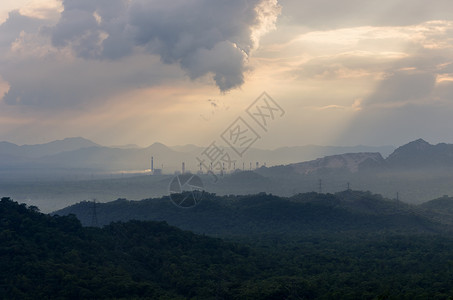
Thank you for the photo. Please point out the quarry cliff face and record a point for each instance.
(416, 155)
(352, 162)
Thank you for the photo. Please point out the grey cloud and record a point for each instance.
(14, 25)
(92, 38)
(203, 36)
(118, 44)
(224, 60)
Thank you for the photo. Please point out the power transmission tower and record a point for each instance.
(94, 216)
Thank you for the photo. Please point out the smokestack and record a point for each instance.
(183, 168)
(152, 164)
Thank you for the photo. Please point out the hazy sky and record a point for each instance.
(178, 72)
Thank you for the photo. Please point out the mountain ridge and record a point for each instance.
(50, 148)
(260, 213)
(80, 153)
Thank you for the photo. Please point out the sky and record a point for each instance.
(182, 72)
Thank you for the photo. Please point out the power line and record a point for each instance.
(94, 216)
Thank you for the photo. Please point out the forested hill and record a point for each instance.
(54, 257)
(44, 257)
(269, 214)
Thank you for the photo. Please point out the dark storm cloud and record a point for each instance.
(203, 36)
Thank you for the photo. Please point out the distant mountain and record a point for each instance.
(116, 159)
(81, 155)
(68, 144)
(310, 152)
(128, 146)
(421, 154)
(352, 162)
(287, 155)
(51, 148)
(416, 172)
(418, 154)
(188, 148)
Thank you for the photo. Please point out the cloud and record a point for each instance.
(403, 87)
(48, 84)
(15, 24)
(202, 36)
(97, 49)
(326, 14)
(409, 102)
(345, 65)
(409, 94)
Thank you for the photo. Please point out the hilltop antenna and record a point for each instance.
(320, 186)
(94, 215)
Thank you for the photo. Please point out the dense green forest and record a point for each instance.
(43, 256)
(258, 214)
